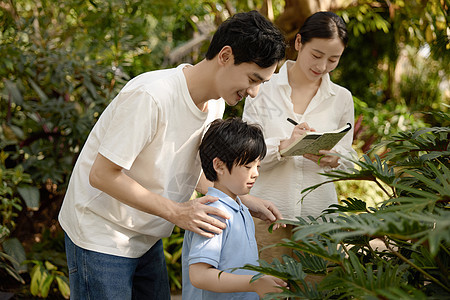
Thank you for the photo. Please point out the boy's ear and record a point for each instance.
(219, 166)
(225, 55)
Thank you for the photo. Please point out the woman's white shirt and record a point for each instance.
(282, 179)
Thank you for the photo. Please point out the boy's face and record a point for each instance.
(240, 180)
(239, 81)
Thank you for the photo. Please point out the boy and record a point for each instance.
(230, 154)
(133, 178)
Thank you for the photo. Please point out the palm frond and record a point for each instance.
(311, 263)
(424, 192)
(290, 269)
(360, 281)
(351, 205)
(325, 250)
(425, 144)
(413, 224)
(369, 170)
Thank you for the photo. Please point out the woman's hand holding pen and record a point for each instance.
(323, 160)
(299, 130)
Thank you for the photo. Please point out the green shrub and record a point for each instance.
(172, 253)
(397, 250)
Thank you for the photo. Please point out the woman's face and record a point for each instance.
(318, 56)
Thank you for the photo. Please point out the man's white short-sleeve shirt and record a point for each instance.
(152, 129)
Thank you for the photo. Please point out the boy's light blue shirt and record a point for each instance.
(234, 247)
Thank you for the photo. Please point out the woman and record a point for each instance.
(302, 91)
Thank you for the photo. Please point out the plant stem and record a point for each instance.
(382, 188)
(373, 252)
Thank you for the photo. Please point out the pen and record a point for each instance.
(292, 121)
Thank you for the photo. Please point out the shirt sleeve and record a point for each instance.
(344, 146)
(206, 250)
(132, 123)
(273, 156)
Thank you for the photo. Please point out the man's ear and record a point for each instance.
(219, 166)
(225, 55)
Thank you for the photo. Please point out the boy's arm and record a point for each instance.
(206, 277)
(192, 215)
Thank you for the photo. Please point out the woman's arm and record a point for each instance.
(206, 277)
(344, 146)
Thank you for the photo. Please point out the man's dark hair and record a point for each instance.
(325, 25)
(234, 142)
(252, 37)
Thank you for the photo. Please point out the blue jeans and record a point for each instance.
(98, 276)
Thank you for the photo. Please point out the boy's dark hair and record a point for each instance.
(252, 38)
(234, 142)
(325, 25)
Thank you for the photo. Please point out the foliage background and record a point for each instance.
(61, 62)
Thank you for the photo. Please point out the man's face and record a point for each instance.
(239, 81)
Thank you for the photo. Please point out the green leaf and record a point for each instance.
(63, 286)
(351, 205)
(45, 285)
(38, 90)
(49, 266)
(11, 271)
(30, 195)
(14, 248)
(312, 263)
(16, 95)
(36, 275)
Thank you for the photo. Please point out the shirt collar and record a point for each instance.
(224, 198)
(325, 88)
(283, 74)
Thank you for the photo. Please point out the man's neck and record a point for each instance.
(200, 80)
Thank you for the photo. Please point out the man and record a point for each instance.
(139, 166)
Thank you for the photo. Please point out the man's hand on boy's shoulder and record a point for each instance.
(196, 216)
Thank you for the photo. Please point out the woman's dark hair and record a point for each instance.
(252, 38)
(325, 25)
(234, 142)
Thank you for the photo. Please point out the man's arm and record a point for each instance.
(206, 277)
(259, 208)
(262, 209)
(192, 215)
